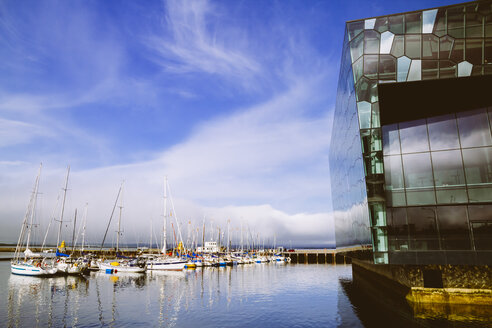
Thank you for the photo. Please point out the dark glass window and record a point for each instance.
(398, 229)
(393, 174)
(456, 22)
(413, 136)
(422, 228)
(391, 140)
(473, 53)
(449, 177)
(480, 217)
(371, 66)
(419, 182)
(474, 128)
(443, 133)
(478, 171)
(387, 67)
(453, 227)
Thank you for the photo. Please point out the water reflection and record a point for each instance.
(250, 295)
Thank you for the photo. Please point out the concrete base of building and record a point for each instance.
(405, 284)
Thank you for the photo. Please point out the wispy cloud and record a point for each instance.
(193, 44)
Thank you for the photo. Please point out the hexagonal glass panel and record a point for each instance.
(413, 23)
(415, 72)
(464, 68)
(456, 20)
(428, 19)
(366, 90)
(403, 64)
(381, 24)
(371, 42)
(364, 110)
(458, 52)
(396, 24)
(371, 66)
(369, 23)
(412, 46)
(354, 28)
(440, 23)
(430, 46)
(358, 69)
(397, 48)
(357, 47)
(375, 122)
(446, 44)
(386, 42)
(387, 68)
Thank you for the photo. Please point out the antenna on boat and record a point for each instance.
(111, 217)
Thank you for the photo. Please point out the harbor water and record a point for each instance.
(256, 295)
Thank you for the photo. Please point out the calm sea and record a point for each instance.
(258, 295)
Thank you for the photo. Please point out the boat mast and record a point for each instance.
(111, 217)
(63, 207)
(228, 234)
(119, 221)
(164, 229)
(84, 222)
(32, 207)
(73, 233)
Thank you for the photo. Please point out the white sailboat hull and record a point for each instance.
(121, 268)
(166, 264)
(25, 269)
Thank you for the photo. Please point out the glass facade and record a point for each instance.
(414, 188)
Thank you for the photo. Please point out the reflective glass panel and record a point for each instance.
(386, 42)
(488, 51)
(478, 165)
(357, 68)
(443, 132)
(364, 109)
(398, 230)
(413, 23)
(396, 24)
(381, 24)
(447, 69)
(473, 53)
(413, 136)
(387, 67)
(480, 217)
(393, 173)
(473, 25)
(453, 227)
(397, 49)
(430, 46)
(430, 69)
(429, 17)
(375, 115)
(357, 47)
(354, 28)
(391, 140)
(415, 71)
(371, 42)
(419, 182)
(445, 47)
(371, 66)
(412, 46)
(449, 177)
(474, 128)
(456, 22)
(403, 66)
(458, 51)
(440, 23)
(422, 228)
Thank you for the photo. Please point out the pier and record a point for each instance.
(328, 255)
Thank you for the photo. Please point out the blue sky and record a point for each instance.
(232, 100)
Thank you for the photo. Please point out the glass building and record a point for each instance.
(411, 149)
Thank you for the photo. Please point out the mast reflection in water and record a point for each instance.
(257, 295)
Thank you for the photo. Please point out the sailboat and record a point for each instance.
(122, 264)
(164, 262)
(32, 264)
